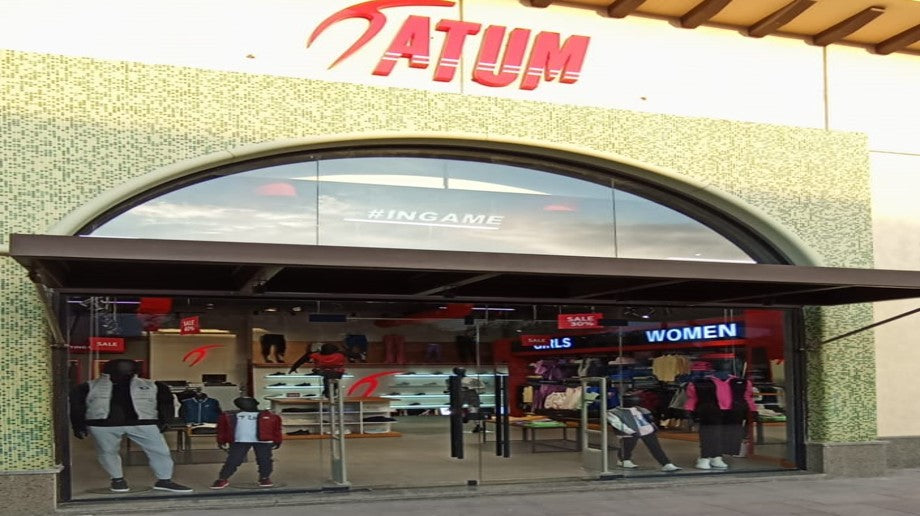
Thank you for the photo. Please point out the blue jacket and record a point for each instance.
(194, 410)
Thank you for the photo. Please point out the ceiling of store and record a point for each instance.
(883, 26)
(112, 266)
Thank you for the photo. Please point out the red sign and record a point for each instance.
(189, 325)
(107, 344)
(576, 321)
(499, 62)
(535, 340)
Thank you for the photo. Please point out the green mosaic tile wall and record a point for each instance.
(70, 128)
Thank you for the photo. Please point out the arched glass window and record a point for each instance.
(424, 202)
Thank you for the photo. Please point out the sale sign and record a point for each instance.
(107, 344)
(189, 325)
(579, 321)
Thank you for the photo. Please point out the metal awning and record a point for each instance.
(112, 266)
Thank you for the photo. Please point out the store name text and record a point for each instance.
(690, 333)
(499, 62)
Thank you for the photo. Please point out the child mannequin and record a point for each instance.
(244, 429)
(634, 423)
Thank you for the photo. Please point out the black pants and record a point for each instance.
(328, 375)
(238, 453)
(721, 432)
(628, 444)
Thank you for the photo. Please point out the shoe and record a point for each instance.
(278, 385)
(393, 394)
(627, 464)
(169, 485)
(220, 483)
(119, 485)
(717, 462)
(670, 467)
(266, 482)
(305, 384)
(299, 432)
(278, 374)
(703, 464)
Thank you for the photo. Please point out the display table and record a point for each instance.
(531, 426)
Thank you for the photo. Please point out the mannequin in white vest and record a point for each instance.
(120, 404)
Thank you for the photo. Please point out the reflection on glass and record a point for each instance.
(648, 230)
(424, 203)
(266, 205)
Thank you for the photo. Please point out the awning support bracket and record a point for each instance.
(870, 326)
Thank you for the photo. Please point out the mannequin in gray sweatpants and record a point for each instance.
(119, 404)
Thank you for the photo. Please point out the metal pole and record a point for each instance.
(337, 436)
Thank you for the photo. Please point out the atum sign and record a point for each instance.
(499, 62)
(693, 333)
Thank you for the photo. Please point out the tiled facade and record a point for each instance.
(72, 128)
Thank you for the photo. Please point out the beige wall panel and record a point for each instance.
(167, 351)
(896, 227)
(634, 63)
(876, 95)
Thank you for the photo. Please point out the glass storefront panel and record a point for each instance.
(432, 203)
(735, 364)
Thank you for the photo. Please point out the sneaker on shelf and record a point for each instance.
(627, 464)
(168, 485)
(703, 464)
(279, 373)
(278, 385)
(717, 462)
(667, 468)
(220, 483)
(119, 485)
(266, 482)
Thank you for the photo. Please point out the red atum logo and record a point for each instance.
(500, 60)
(198, 354)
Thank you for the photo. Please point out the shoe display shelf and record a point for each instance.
(271, 383)
(428, 390)
(309, 418)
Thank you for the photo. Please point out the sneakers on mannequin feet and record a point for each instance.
(627, 464)
(220, 483)
(718, 463)
(119, 485)
(668, 468)
(703, 464)
(168, 485)
(266, 482)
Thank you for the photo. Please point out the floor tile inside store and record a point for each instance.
(420, 457)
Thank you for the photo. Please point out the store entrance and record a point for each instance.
(525, 406)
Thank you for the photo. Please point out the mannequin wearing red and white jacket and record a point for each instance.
(244, 429)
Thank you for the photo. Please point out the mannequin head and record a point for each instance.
(631, 400)
(247, 404)
(120, 369)
(328, 349)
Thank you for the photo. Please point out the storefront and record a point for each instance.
(533, 237)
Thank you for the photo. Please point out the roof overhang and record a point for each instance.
(112, 266)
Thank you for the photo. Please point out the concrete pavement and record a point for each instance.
(898, 493)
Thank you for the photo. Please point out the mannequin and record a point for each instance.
(329, 362)
(120, 404)
(721, 402)
(633, 423)
(243, 429)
